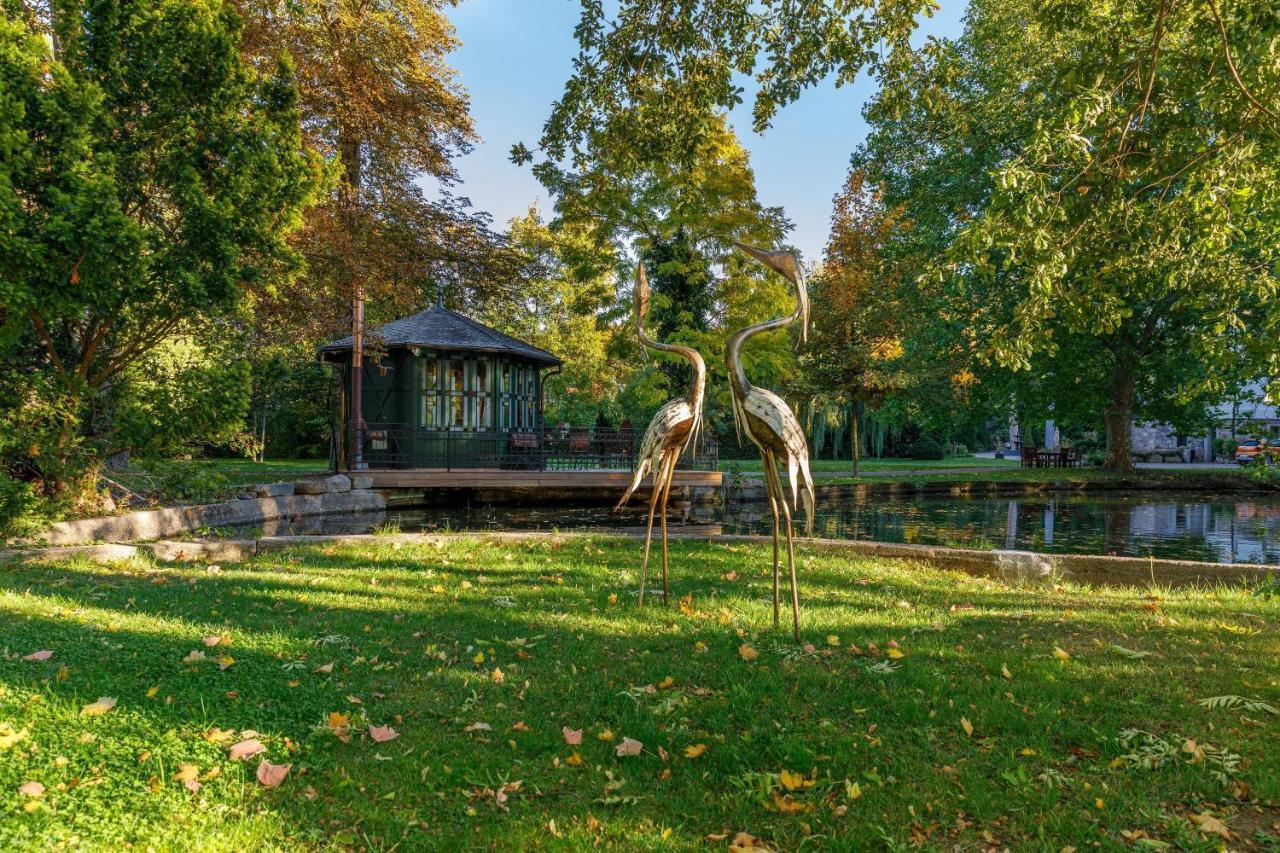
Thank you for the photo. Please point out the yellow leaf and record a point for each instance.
(833, 640)
(338, 720)
(187, 773)
(695, 750)
(1004, 671)
(574, 760)
(102, 706)
(666, 682)
(1026, 750)
(498, 675)
(479, 658)
(1099, 803)
(686, 605)
(8, 737)
(895, 653)
(792, 781)
(605, 735)
(967, 726)
(786, 804)
(224, 660)
(747, 653)
(1210, 825)
(613, 598)
(852, 790)
(64, 672)
(152, 691)
(1061, 654)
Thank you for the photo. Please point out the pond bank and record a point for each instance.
(1010, 566)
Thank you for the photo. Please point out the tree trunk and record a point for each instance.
(855, 439)
(1118, 417)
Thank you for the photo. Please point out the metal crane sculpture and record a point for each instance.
(670, 431)
(772, 426)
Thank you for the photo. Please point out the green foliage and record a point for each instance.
(195, 482)
(183, 394)
(152, 175)
(926, 447)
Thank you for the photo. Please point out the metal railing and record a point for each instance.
(390, 445)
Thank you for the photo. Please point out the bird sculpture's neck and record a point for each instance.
(697, 389)
(733, 349)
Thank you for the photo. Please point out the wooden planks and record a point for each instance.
(489, 478)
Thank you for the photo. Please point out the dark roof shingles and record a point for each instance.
(441, 328)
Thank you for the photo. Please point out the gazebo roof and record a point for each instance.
(439, 328)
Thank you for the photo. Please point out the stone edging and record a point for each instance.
(335, 494)
(1012, 566)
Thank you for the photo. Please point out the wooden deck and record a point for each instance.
(492, 478)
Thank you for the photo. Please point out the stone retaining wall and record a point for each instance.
(1011, 566)
(336, 494)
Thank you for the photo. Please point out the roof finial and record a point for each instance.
(440, 295)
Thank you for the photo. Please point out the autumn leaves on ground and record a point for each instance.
(477, 695)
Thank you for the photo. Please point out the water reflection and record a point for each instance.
(1211, 528)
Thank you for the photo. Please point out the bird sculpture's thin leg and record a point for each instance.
(669, 471)
(791, 566)
(774, 497)
(648, 536)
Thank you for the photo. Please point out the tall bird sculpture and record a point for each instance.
(772, 426)
(673, 427)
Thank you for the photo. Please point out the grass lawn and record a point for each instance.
(933, 709)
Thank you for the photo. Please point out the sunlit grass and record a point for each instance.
(530, 638)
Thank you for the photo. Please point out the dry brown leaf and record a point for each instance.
(102, 706)
(31, 789)
(573, 737)
(382, 734)
(272, 775)
(246, 749)
(629, 746)
(747, 653)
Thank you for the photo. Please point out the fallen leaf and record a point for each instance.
(896, 654)
(8, 737)
(1061, 654)
(1129, 653)
(786, 804)
(31, 789)
(629, 746)
(328, 667)
(572, 737)
(478, 727)
(852, 790)
(498, 675)
(382, 734)
(1210, 825)
(338, 720)
(224, 660)
(152, 691)
(43, 654)
(193, 656)
(521, 726)
(605, 735)
(794, 781)
(666, 682)
(574, 760)
(192, 785)
(694, 750)
(967, 726)
(212, 641)
(187, 773)
(1004, 671)
(743, 841)
(272, 775)
(246, 749)
(747, 653)
(102, 706)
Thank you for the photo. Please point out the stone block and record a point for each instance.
(362, 482)
(273, 490)
(337, 483)
(311, 487)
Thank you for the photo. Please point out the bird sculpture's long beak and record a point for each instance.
(787, 265)
(769, 259)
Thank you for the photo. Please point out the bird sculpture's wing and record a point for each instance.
(665, 421)
(781, 421)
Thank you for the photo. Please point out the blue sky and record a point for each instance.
(516, 55)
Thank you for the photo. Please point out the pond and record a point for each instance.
(1185, 526)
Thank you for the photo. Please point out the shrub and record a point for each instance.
(191, 482)
(927, 448)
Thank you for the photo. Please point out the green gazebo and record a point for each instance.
(447, 392)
